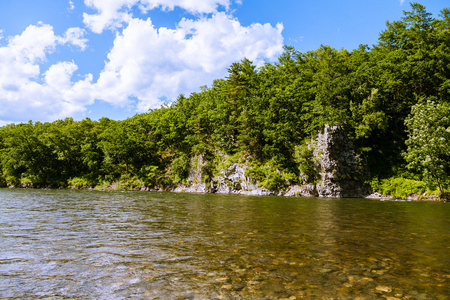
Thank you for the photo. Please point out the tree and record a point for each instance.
(428, 128)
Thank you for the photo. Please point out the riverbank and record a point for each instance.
(294, 191)
(415, 197)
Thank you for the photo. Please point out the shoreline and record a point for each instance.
(259, 192)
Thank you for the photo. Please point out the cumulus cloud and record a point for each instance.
(75, 36)
(23, 93)
(145, 67)
(193, 6)
(149, 64)
(33, 44)
(112, 14)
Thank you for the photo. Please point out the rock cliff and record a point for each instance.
(341, 172)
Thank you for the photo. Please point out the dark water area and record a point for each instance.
(58, 244)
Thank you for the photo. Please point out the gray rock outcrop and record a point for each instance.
(233, 180)
(342, 172)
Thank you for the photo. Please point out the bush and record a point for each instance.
(128, 183)
(149, 175)
(255, 173)
(303, 156)
(270, 177)
(12, 180)
(398, 187)
(80, 183)
(25, 181)
(274, 181)
(179, 169)
(103, 185)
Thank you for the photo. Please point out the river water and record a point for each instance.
(58, 244)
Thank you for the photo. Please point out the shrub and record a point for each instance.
(179, 170)
(270, 177)
(128, 183)
(398, 187)
(80, 183)
(303, 156)
(12, 180)
(2, 181)
(149, 175)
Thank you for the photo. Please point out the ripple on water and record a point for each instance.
(107, 245)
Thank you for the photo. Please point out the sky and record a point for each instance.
(116, 58)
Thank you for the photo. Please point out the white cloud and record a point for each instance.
(75, 36)
(71, 6)
(193, 6)
(112, 14)
(33, 44)
(22, 92)
(402, 1)
(149, 63)
(4, 123)
(145, 64)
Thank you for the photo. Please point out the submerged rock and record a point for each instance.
(383, 289)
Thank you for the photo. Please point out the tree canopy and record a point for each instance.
(428, 141)
(260, 114)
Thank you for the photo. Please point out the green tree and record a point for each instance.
(428, 128)
(26, 157)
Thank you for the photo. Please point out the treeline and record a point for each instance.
(259, 115)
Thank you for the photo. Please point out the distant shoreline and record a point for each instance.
(374, 196)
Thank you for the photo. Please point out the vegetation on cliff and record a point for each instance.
(263, 116)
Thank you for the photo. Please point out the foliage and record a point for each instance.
(270, 176)
(179, 169)
(259, 116)
(399, 187)
(80, 183)
(303, 155)
(428, 150)
(149, 175)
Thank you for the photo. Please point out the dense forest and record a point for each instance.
(393, 97)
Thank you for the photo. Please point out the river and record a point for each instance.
(62, 244)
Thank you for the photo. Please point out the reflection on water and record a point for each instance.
(116, 245)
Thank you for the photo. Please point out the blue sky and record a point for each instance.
(116, 58)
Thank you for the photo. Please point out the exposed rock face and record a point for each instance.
(233, 180)
(307, 190)
(341, 170)
(196, 177)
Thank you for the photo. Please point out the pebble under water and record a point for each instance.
(58, 244)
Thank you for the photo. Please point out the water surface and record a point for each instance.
(119, 245)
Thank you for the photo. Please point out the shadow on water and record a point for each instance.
(104, 245)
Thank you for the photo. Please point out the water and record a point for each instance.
(120, 245)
